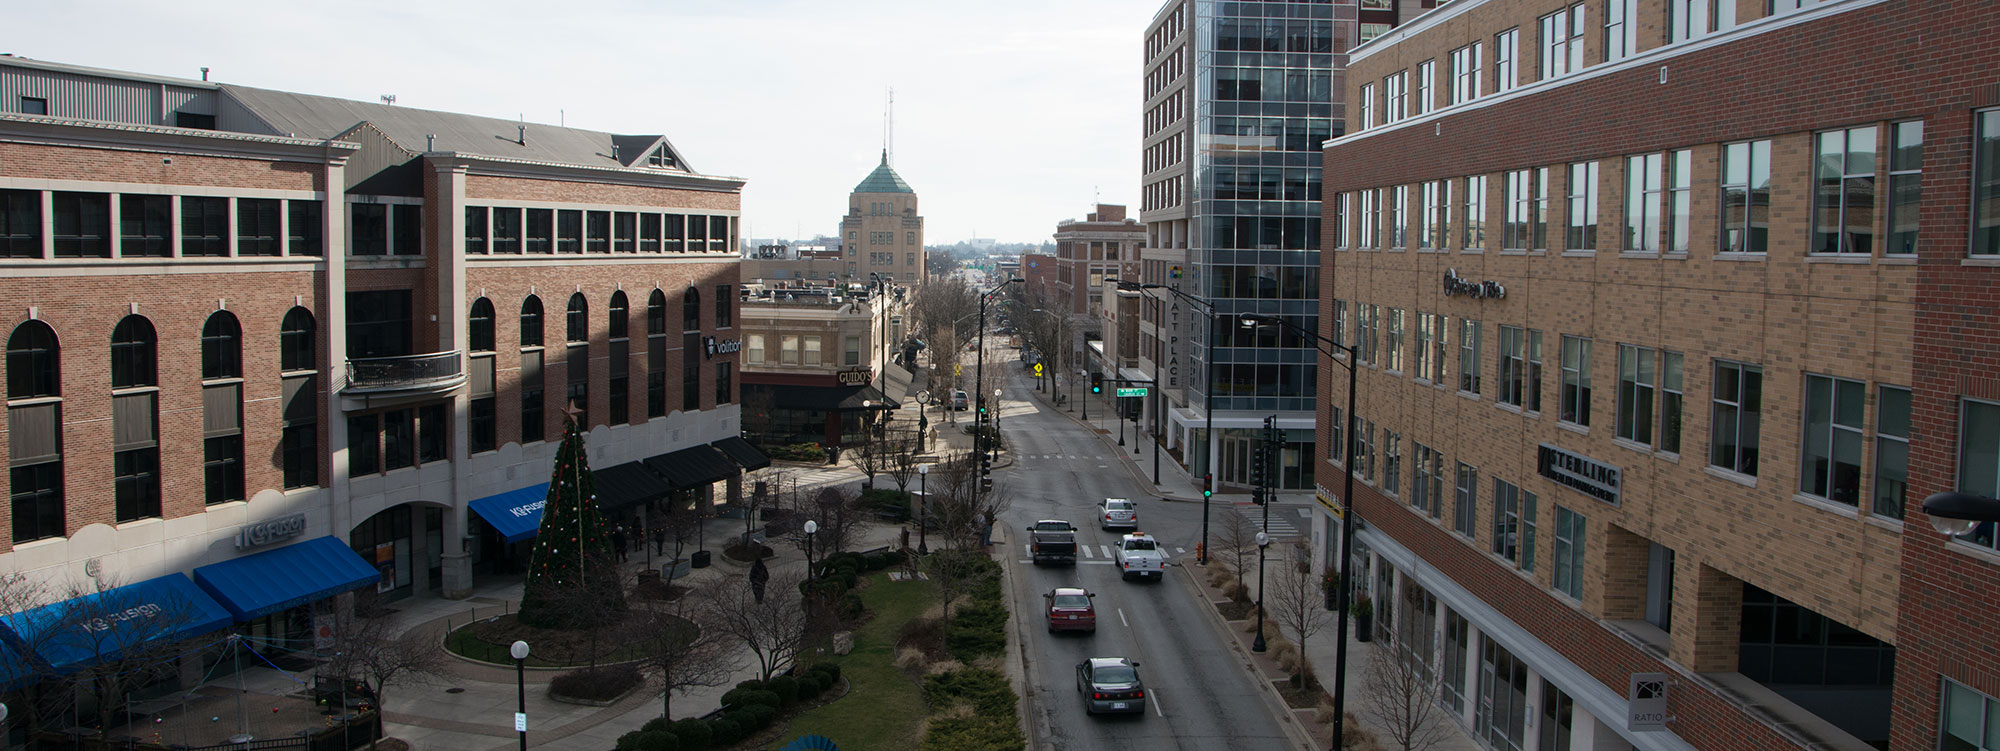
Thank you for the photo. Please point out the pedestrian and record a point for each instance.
(618, 541)
(758, 575)
(659, 539)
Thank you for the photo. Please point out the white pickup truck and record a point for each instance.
(1139, 556)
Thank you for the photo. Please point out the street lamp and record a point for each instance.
(979, 374)
(923, 510)
(1208, 408)
(520, 652)
(811, 528)
(1346, 516)
(1263, 540)
(1957, 514)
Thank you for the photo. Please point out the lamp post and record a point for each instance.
(979, 374)
(1263, 541)
(811, 528)
(1208, 409)
(1346, 517)
(923, 511)
(520, 653)
(1956, 514)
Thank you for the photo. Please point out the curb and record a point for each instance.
(1300, 735)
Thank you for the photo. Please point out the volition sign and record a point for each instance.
(1131, 391)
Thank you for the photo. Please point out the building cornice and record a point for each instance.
(99, 134)
(494, 166)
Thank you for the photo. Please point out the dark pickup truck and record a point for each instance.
(1053, 540)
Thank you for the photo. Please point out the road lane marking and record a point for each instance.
(1084, 549)
(1107, 550)
(1121, 618)
(1157, 711)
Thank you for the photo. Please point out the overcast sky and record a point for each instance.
(1009, 116)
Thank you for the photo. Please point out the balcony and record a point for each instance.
(377, 378)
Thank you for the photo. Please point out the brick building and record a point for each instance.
(1699, 292)
(243, 317)
(882, 232)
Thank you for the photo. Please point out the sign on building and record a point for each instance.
(1646, 699)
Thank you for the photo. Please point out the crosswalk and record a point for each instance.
(1054, 457)
(1283, 523)
(1100, 554)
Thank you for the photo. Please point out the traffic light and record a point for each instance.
(1207, 486)
(1097, 383)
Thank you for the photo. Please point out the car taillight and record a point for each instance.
(1138, 694)
(1099, 695)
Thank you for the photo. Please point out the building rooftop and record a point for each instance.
(883, 180)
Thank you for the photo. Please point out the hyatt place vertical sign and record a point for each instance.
(1578, 472)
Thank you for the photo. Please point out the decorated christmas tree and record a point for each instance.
(572, 574)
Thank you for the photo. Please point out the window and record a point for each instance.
(36, 494)
(1366, 119)
(1693, 19)
(34, 363)
(368, 228)
(1435, 221)
(1892, 450)
(302, 230)
(221, 347)
(145, 227)
(1426, 323)
(597, 232)
(1475, 212)
(1526, 206)
(34, 105)
(531, 322)
(1970, 720)
(1466, 65)
(1562, 42)
(1466, 504)
(569, 231)
(406, 222)
(1830, 452)
(1371, 218)
(1582, 230)
(1986, 185)
(576, 383)
(1671, 399)
(1636, 383)
(1844, 207)
(135, 478)
(724, 387)
(1392, 461)
(507, 230)
(1505, 49)
(1534, 378)
(1746, 197)
(1396, 89)
(576, 321)
(656, 354)
(364, 445)
(1368, 320)
(479, 333)
(725, 301)
(257, 226)
(691, 310)
(1621, 31)
(540, 235)
(623, 225)
(222, 468)
(82, 224)
(690, 371)
(1457, 638)
(432, 428)
(1737, 410)
(812, 355)
(1468, 355)
(1341, 220)
(1680, 191)
(676, 228)
(649, 233)
(475, 229)
(1424, 98)
(1514, 524)
(21, 223)
(1393, 332)
(299, 440)
(1644, 185)
(1906, 176)
(1570, 547)
(1399, 217)
(1513, 368)
(34, 371)
(850, 354)
(1421, 490)
(1337, 427)
(1575, 380)
(204, 226)
(788, 349)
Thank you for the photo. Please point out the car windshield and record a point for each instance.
(1072, 601)
(1139, 545)
(1115, 674)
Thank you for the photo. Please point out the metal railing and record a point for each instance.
(404, 371)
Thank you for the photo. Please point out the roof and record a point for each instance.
(883, 180)
(311, 116)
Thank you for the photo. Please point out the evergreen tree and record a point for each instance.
(572, 574)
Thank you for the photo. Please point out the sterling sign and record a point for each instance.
(270, 531)
(1578, 472)
(1455, 285)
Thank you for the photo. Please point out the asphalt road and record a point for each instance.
(1199, 693)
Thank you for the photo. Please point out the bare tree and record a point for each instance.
(684, 653)
(959, 509)
(368, 650)
(1399, 692)
(838, 514)
(772, 630)
(956, 573)
(759, 416)
(116, 639)
(1296, 602)
(1235, 542)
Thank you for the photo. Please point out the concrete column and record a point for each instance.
(446, 230)
(1708, 612)
(1589, 732)
(332, 312)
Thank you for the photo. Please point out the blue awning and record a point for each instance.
(108, 626)
(275, 580)
(15, 670)
(515, 514)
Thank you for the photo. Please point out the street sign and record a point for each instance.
(520, 722)
(1646, 699)
(1038, 368)
(1131, 391)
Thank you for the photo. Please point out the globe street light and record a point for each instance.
(1957, 514)
(923, 509)
(520, 652)
(1263, 540)
(811, 528)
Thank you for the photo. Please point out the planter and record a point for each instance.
(699, 559)
(1364, 629)
(675, 569)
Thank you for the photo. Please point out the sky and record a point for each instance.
(1009, 116)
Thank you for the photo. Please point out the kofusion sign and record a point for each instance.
(270, 531)
(1578, 472)
(1455, 285)
(721, 347)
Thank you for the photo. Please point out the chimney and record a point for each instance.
(521, 136)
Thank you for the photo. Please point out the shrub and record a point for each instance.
(745, 721)
(787, 689)
(830, 669)
(655, 725)
(746, 696)
(760, 716)
(693, 732)
(876, 561)
(970, 640)
(811, 685)
(985, 690)
(797, 452)
(723, 731)
(751, 684)
(601, 683)
(648, 740)
(974, 733)
(850, 607)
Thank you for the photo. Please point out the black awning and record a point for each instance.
(825, 398)
(693, 467)
(628, 484)
(744, 454)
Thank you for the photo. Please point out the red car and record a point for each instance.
(1070, 609)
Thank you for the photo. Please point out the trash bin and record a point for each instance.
(699, 559)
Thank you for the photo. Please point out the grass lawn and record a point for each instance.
(885, 708)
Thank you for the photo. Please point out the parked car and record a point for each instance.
(1070, 609)
(1110, 684)
(960, 401)
(1117, 512)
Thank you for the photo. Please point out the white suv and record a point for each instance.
(1117, 512)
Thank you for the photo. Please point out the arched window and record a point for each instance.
(691, 310)
(481, 328)
(620, 315)
(134, 354)
(297, 337)
(221, 347)
(656, 354)
(656, 313)
(34, 367)
(531, 322)
(578, 319)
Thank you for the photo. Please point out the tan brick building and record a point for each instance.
(882, 232)
(241, 316)
(1663, 317)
